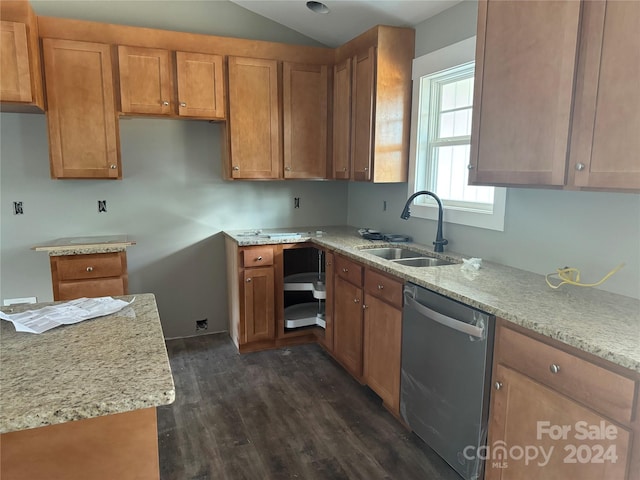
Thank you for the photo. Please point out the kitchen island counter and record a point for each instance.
(102, 366)
(595, 321)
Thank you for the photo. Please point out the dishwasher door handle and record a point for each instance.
(449, 322)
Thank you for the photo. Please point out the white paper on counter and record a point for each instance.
(67, 313)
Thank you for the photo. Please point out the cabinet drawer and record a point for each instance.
(79, 267)
(383, 287)
(601, 389)
(350, 271)
(108, 287)
(257, 257)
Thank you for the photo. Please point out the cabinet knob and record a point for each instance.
(183, 104)
(366, 168)
(345, 270)
(579, 166)
(113, 166)
(365, 306)
(249, 280)
(470, 166)
(497, 385)
(165, 104)
(89, 269)
(287, 169)
(259, 258)
(344, 169)
(554, 368)
(356, 300)
(380, 287)
(235, 168)
(329, 263)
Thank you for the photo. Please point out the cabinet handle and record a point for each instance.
(497, 385)
(380, 287)
(113, 166)
(89, 269)
(345, 270)
(470, 166)
(165, 104)
(182, 104)
(579, 166)
(249, 280)
(554, 368)
(259, 259)
(236, 168)
(356, 300)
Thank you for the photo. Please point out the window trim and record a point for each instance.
(434, 62)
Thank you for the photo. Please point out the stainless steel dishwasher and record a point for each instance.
(446, 373)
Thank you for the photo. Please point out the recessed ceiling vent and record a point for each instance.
(317, 7)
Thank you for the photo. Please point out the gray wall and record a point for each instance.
(172, 199)
(544, 229)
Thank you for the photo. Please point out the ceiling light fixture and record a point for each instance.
(317, 7)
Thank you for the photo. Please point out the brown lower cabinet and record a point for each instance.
(92, 275)
(574, 414)
(348, 324)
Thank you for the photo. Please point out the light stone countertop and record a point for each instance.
(106, 365)
(85, 245)
(598, 322)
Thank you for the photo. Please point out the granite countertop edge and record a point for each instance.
(524, 298)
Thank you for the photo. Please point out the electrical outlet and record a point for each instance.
(296, 202)
(202, 325)
(17, 208)
(102, 206)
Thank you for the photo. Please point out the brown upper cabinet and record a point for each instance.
(254, 126)
(277, 129)
(81, 113)
(555, 100)
(20, 69)
(305, 115)
(147, 85)
(372, 106)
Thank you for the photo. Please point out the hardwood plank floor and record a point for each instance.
(280, 414)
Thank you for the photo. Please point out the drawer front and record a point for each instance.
(79, 267)
(349, 270)
(601, 389)
(383, 287)
(257, 257)
(108, 287)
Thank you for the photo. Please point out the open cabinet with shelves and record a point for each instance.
(304, 289)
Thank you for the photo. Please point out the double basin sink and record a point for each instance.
(406, 256)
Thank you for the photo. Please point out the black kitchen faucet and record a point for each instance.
(406, 213)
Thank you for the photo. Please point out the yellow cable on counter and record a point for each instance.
(571, 276)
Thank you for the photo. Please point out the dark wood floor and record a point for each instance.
(281, 414)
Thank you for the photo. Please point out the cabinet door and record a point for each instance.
(341, 165)
(382, 345)
(200, 85)
(15, 76)
(523, 410)
(605, 141)
(362, 101)
(81, 116)
(305, 89)
(347, 324)
(145, 80)
(254, 118)
(525, 65)
(259, 299)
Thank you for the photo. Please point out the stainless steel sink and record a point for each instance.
(393, 253)
(423, 262)
(406, 256)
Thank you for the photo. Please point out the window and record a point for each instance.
(441, 140)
